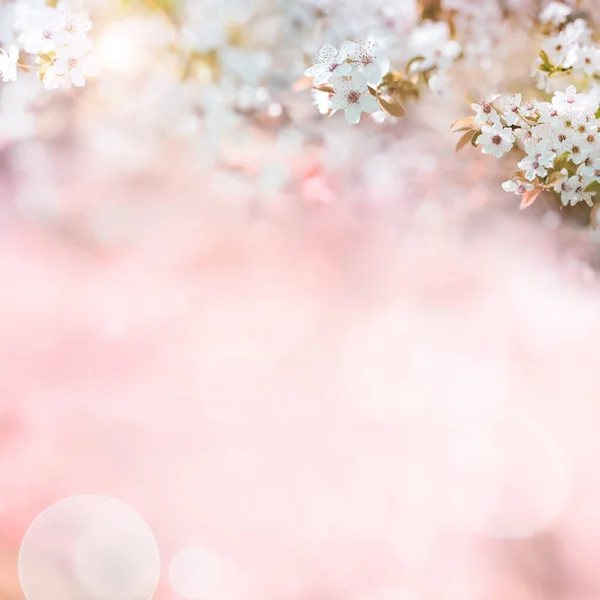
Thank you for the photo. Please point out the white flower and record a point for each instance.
(578, 33)
(370, 61)
(577, 149)
(485, 111)
(353, 97)
(511, 108)
(328, 63)
(550, 114)
(74, 22)
(72, 64)
(555, 13)
(570, 100)
(588, 60)
(8, 63)
(590, 167)
(496, 140)
(560, 50)
(517, 187)
(45, 31)
(49, 28)
(529, 108)
(573, 191)
(537, 165)
(23, 11)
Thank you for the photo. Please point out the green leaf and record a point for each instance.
(597, 115)
(593, 187)
(554, 178)
(546, 64)
(563, 162)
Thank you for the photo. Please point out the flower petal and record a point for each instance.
(353, 113)
(368, 104)
(343, 70)
(326, 54)
(315, 70)
(338, 102)
(61, 38)
(372, 73)
(61, 66)
(77, 77)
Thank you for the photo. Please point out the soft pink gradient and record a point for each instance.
(291, 394)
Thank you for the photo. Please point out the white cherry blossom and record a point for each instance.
(353, 96)
(537, 165)
(517, 187)
(588, 60)
(573, 192)
(369, 59)
(555, 13)
(72, 64)
(570, 99)
(328, 63)
(485, 111)
(45, 31)
(496, 140)
(511, 109)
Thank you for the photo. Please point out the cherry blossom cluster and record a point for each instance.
(357, 77)
(568, 49)
(558, 142)
(344, 76)
(56, 38)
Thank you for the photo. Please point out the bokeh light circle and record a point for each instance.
(195, 573)
(89, 548)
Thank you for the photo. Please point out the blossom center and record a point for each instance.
(497, 140)
(353, 97)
